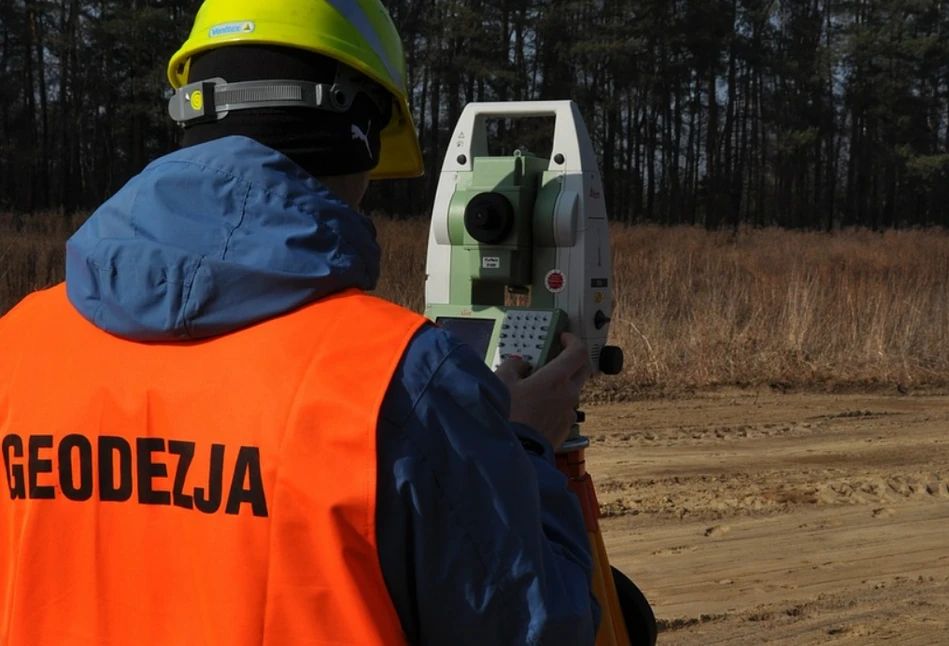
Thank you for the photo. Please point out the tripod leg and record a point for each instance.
(626, 617)
(637, 613)
(613, 630)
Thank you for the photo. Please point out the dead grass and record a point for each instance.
(31, 253)
(783, 308)
(698, 310)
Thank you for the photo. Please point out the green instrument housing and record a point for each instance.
(483, 275)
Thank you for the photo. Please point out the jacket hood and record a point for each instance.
(212, 239)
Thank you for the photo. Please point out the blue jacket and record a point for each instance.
(478, 544)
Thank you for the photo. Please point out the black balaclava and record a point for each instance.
(323, 143)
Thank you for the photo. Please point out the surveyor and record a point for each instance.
(211, 432)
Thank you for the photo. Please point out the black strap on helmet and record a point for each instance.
(213, 99)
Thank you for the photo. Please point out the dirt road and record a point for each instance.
(768, 518)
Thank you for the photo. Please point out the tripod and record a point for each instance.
(627, 618)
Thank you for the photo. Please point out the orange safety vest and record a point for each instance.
(215, 492)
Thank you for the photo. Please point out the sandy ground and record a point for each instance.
(757, 518)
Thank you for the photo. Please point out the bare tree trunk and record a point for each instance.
(711, 153)
(30, 101)
(6, 170)
(36, 35)
(695, 149)
(728, 180)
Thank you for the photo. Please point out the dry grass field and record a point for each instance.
(773, 466)
(697, 309)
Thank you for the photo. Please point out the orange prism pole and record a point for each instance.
(572, 463)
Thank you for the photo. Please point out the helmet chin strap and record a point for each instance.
(213, 99)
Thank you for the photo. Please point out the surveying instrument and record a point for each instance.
(534, 229)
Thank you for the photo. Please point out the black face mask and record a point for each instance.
(323, 143)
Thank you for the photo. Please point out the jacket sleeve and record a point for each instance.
(480, 540)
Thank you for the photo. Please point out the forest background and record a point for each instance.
(776, 169)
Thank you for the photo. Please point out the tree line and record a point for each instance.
(813, 114)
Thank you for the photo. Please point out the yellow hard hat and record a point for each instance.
(358, 33)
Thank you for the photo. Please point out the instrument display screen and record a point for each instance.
(473, 332)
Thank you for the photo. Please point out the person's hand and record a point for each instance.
(547, 400)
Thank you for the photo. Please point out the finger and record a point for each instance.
(572, 355)
(513, 369)
(585, 371)
(577, 361)
(575, 388)
(570, 340)
(565, 365)
(567, 422)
